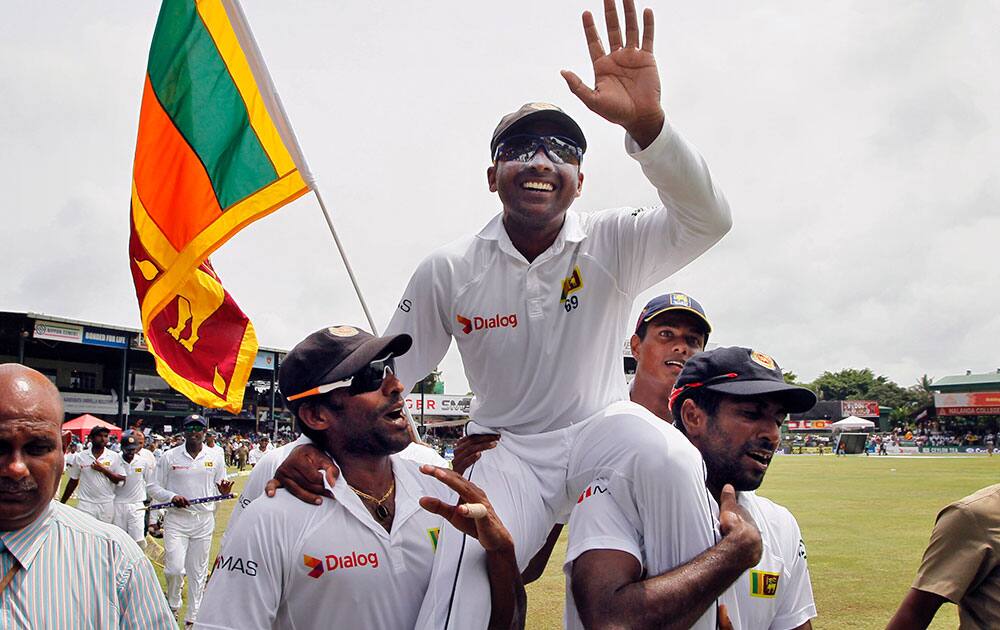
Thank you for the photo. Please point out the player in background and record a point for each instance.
(96, 470)
(131, 493)
(185, 472)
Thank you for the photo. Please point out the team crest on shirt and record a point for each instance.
(571, 284)
(763, 583)
(434, 533)
(209, 464)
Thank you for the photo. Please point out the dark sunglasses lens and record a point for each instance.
(563, 150)
(522, 148)
(371, 376)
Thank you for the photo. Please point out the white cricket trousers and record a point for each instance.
(533, 481)
(104, 512)
(130, 517)
(187, 538)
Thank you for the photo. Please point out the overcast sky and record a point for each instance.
(857, 144)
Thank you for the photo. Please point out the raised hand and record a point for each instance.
(467, 516)
(626, 82)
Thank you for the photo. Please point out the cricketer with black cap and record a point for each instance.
(539, 300)
(131, 493)
(185, 472)
(362, 558)
(730, 403)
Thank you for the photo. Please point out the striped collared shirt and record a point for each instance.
(77, 572)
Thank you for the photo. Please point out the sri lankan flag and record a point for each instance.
(214, 153)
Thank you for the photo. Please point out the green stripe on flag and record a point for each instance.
(193, 85)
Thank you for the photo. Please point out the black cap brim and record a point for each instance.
(795, 399)
(374, 348)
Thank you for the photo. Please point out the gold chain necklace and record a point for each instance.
(380, 510)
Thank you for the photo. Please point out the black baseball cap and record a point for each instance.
(675, 301)
(739, 371)
(333, 354)
(129, 442)
(196, 418)
(534, 112)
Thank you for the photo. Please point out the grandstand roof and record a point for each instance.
(969, 382)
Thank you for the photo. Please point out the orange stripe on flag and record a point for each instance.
(170, 179)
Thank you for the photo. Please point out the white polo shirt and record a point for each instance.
(606, 517)
(177, 473)
(289, 564)
(256, 454)
(267, 466)
(94, 486)
(540, 358)
(138, 474)
(777, 593)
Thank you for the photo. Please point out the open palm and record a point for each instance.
(626, 82)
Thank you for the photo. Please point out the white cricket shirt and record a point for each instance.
(289, 564)
(94, 486)
(606, 517)
(138, 474)
(177, 473)
(540, 358)
(267, 466)
(777, 593)
(256, 454)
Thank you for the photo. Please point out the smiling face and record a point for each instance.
(667, 342)
(738, 441)
(31, 457)
(536, 193)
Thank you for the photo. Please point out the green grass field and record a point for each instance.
(865, 520)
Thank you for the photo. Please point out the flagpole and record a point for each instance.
(343, 256)
(256, 60)
(414, 435)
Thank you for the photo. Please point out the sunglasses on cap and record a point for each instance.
(367, 379)
(677, 391)
(523, 147)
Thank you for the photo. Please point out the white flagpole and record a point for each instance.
(273, 102)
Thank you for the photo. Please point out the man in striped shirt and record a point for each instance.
(59, 568)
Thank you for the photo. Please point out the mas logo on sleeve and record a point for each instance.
(763, 583)
(599, 486)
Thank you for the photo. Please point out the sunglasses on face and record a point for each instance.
(367, 379)
(523, 147)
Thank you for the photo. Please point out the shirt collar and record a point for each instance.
(25, 543)
(572, 232)
(408, 492)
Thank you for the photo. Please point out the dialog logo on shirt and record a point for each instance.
(763, 584)
(334, 562)
(482, 323)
